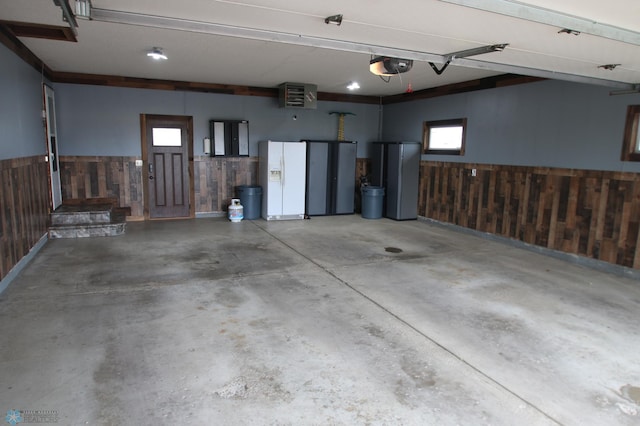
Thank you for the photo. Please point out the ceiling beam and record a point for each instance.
(32, 30)
(16, 46)
(186, 86)
(492, 82)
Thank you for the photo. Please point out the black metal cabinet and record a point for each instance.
(396, 167)
(331, 177)
(229, 138)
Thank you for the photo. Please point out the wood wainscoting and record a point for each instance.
(216, 179)
(24, 208)
(589, 213)
(103, 177)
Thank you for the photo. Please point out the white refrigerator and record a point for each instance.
(283, 169)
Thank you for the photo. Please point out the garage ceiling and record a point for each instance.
(266, 42)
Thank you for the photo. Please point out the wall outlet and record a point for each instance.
(138, 163)
(473, 172)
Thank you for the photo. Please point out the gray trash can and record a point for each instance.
(372, 201)
(251, 199)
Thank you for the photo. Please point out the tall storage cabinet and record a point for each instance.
(331, 176)
(396, 167)
(282, 171)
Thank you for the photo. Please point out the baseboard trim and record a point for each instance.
(599, 265)
(15, 271)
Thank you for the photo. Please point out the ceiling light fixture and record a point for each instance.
(353, 85)
(83, 9)
(157, 53)
(333, 19)
(466, 53)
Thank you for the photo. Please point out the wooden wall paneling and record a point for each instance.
(423, 196)
(598, 223)
(6, 234)
(433, 199)
(624, 256)
(634, 227)
(590, 213)
(443, 207)
(103, 177)
(221, 170)
(217, 179)
(202, 173)
(573, 223)
(24, 208)
(137, 186)
(583, 212)
(470, 204)
(214, 169)
(555, 192)
(479, 190)
(124, 190)
(457, 203)
(18, 176)
(522, 227)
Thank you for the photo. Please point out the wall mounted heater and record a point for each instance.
(298, 95)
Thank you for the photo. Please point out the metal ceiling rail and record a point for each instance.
(520, 10)
(153, 21)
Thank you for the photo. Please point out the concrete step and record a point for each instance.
(81, 215)
(87, 220)
(87, 230)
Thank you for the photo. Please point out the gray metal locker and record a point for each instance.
(396, 167)
(331, 176)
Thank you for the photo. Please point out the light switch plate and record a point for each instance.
(138, 163)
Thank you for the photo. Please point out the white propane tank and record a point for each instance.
(236, 211)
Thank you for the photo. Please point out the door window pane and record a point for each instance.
(163, 136)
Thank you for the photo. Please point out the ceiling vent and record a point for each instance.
(298, 95)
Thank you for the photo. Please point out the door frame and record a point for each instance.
(53, 155)
(145, 162)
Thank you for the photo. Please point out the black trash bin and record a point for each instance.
(372, 201)
(251, 200)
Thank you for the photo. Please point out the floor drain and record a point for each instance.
(393, 249)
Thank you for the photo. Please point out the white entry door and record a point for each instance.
(52, 147)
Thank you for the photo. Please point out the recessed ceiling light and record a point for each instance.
(157, 54)
(353, 85)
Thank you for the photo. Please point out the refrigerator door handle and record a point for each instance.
(282, 170)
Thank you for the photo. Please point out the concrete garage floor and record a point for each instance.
(313, 322)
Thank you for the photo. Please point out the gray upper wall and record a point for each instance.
(548, 123)
(21, 127)
(95, 120)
